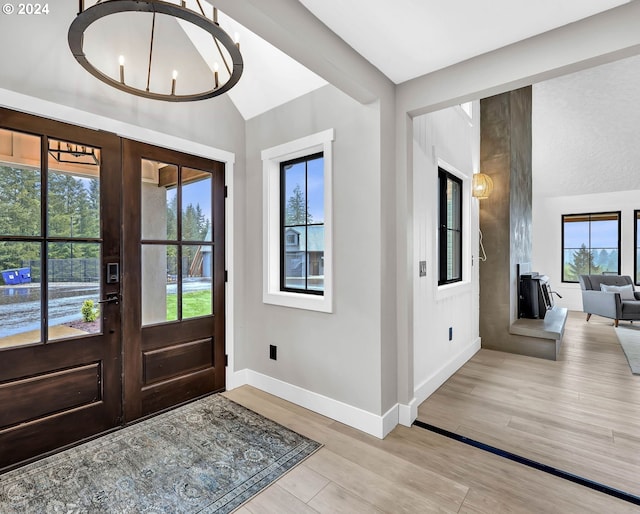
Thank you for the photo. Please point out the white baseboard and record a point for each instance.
(237, 379)
(409, 413)
(373, 424)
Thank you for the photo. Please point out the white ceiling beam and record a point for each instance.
(289, 26)
(595, 40)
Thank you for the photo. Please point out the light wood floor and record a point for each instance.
(582, 412)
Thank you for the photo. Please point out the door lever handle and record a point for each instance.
(111, 298)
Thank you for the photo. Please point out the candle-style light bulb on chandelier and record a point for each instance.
(227, 48)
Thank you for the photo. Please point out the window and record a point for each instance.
(449, 228)
(636, 262)
(51, 239)
(297, 237)
(177, 242)
(590, 244)
(302, 222)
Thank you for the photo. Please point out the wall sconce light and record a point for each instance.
(482, 186)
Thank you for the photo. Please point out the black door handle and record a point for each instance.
(111, 298)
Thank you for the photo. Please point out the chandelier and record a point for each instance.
(73, 154)
(166, 89)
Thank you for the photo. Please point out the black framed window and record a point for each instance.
(590, 244)
(302, 225)
(636, 244)
(450, 228)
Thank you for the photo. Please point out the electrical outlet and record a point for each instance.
(273, 352)
(450, 333)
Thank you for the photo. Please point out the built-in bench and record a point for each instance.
(541, 337)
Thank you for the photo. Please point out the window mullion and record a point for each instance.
(306, 226)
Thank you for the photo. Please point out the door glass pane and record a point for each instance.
(159, 283)
(196, 205)
(73, 190)
(176, 278)
(74, 289)
(20, 181)
(159, 201)
(20, 293)
(197, 270)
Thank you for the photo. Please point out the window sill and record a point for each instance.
(299, 301)
(455, 289)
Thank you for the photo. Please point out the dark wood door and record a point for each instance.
(173, 278)
(60, 349)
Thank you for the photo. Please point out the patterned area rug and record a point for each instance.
(629, 338)
(208, 456)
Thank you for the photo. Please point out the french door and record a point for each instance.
(173, 278)
(60, 350)
(111, 282)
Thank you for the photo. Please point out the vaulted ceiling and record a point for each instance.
(408, 38)
(403, 39)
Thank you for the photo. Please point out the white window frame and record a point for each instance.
(455, 288)
(271, 159)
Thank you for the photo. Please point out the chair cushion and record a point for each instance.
(594, 281)
(626, 292)
(631, 309)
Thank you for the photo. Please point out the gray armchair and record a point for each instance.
(615, 305)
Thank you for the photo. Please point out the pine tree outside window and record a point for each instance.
(590, 244)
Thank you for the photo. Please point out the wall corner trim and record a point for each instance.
(372, 424)
(429, 386)
(235, 379)
(407, 413)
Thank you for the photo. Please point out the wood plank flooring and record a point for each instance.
(582, 412)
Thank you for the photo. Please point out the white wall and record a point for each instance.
(449, 139)
(322, 356)
(585, 159)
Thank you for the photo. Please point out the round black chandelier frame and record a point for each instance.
(106, 8)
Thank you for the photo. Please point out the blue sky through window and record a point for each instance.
(315, 186)
(604, 234)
